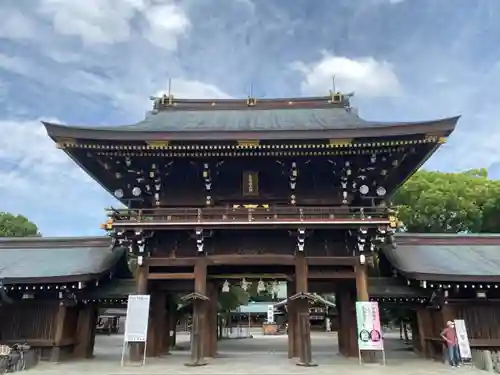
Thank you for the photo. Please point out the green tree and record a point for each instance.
(491, 209)
(435, 202)
(16, 226)
(233, 299)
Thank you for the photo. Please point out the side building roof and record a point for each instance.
(271, 119)
(446, 257)
(31, 260)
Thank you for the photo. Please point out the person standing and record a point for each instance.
(449, 336)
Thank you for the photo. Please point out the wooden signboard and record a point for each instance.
(250, 184)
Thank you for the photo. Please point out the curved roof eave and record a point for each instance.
(376, 129)
(57, 260)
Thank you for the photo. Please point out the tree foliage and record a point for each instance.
(233, 299)
(16, 226)
(435, 202)
(237, 297)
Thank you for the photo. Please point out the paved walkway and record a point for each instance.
(261, 355)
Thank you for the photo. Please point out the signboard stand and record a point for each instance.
(369, 331)
(361, 357)
(126, 346)
(136, 325)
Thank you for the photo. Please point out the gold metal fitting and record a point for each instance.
(251, 102)
(336, 97)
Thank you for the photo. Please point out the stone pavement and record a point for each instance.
(261, 355)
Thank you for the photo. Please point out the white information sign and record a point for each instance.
(136, 325)
(270, 313)
(462, 340)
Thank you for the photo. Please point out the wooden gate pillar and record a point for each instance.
(362, 282)
(85, 331)
(137, 349)
(304, 325)
(170, 326)
(157, 323)
(172, 308)
(63, 330)
(293, 339)
(210, 339)
(199, 314)
(363, 296)
(347, 338)
(423, 324)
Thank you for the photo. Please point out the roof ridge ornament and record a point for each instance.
(251, 102)
(337, 97)
(162, 101)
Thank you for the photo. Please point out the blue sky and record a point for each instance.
(97, 62)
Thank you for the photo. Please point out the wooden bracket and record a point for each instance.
(194, 296)
(302, 295)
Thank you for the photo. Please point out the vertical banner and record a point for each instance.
(250, 184)
(270, 313)
(463, 340)
(368, 326)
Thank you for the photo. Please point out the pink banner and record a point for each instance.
(368, 323)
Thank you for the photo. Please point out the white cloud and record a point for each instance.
(391, 2)
(27, 146)
(194, 89)
(112, 21)
(95, 21)
(15, 25)
(37, 179)
(98, 61)
(165, 24)
(15, 64)
(41, 182)
(366, 76)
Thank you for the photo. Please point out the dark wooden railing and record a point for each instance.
(249, 215)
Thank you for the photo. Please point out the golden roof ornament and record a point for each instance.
(336, 97)
(251, 102)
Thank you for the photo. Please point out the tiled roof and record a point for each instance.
(34, 260)
(195, 118)
(446, 257)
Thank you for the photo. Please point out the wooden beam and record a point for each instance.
(331, 275)
(264, 276)
(176, 286)
(252, 259)
(172, 276)
(170, 262)
(331, 261)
